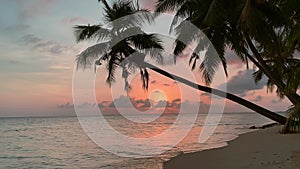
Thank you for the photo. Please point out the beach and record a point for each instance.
(260, 149)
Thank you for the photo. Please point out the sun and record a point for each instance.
(157, 95)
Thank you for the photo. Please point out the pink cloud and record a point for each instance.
(75, 20)
(233, 59)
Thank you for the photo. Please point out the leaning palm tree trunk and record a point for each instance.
(131, 45)
(267, 113)
(260, 63)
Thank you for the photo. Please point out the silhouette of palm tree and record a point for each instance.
(248, 27)
(126, 45)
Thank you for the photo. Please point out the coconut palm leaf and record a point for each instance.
(168, 5)
(121, 38)
(88, 56)
(293, 121)
(83, 33)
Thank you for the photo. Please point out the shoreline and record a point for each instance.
(263, 148)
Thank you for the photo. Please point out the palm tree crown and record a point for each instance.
(121, 42)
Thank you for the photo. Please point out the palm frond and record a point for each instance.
(209, 64)
(125, 75)
(105, 4)
(237, 43)
(144, 77)
(89, 55)
(218, 42)
(124, 14)
(186, 35)
(128, 33)
(145, 15)
(293, 121)
(294, 37)
(121, 38)
(168, 5)
(89, 32)
(193, 59)
(111, 67)
(149, 44)
(201, 46)
(179, 47)
(257, 75)
(270, 86)
(293, 78)
(184, 11)
(215, 13)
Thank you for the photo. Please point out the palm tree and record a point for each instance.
(282, 62)
(115, 50)
(264, 32)
(247, 27)
(134, 47)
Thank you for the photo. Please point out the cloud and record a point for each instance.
(16, 28)
(75, 20)
(65, 106)
(125, 102)
(244, 82)
(121, 102)
(51, 47)
(258, 99)
(153, 82)
(71, 106)
(276, 101)
(30, 39)
(47, 47)
(161, 104)
(101, 105)
(143, 104)
(173, 104)
(233, 59)
(176, 100)
(104, 104)
(108, 107)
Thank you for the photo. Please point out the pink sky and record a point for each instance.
(38, 50)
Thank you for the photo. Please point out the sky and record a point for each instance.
(37, 61)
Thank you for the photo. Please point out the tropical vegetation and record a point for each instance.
(264, 32)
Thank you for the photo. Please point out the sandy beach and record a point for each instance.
(260, 149)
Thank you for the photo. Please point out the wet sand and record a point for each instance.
(261, 149)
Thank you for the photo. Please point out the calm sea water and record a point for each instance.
(60, 142)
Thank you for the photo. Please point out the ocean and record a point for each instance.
(60, 142)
